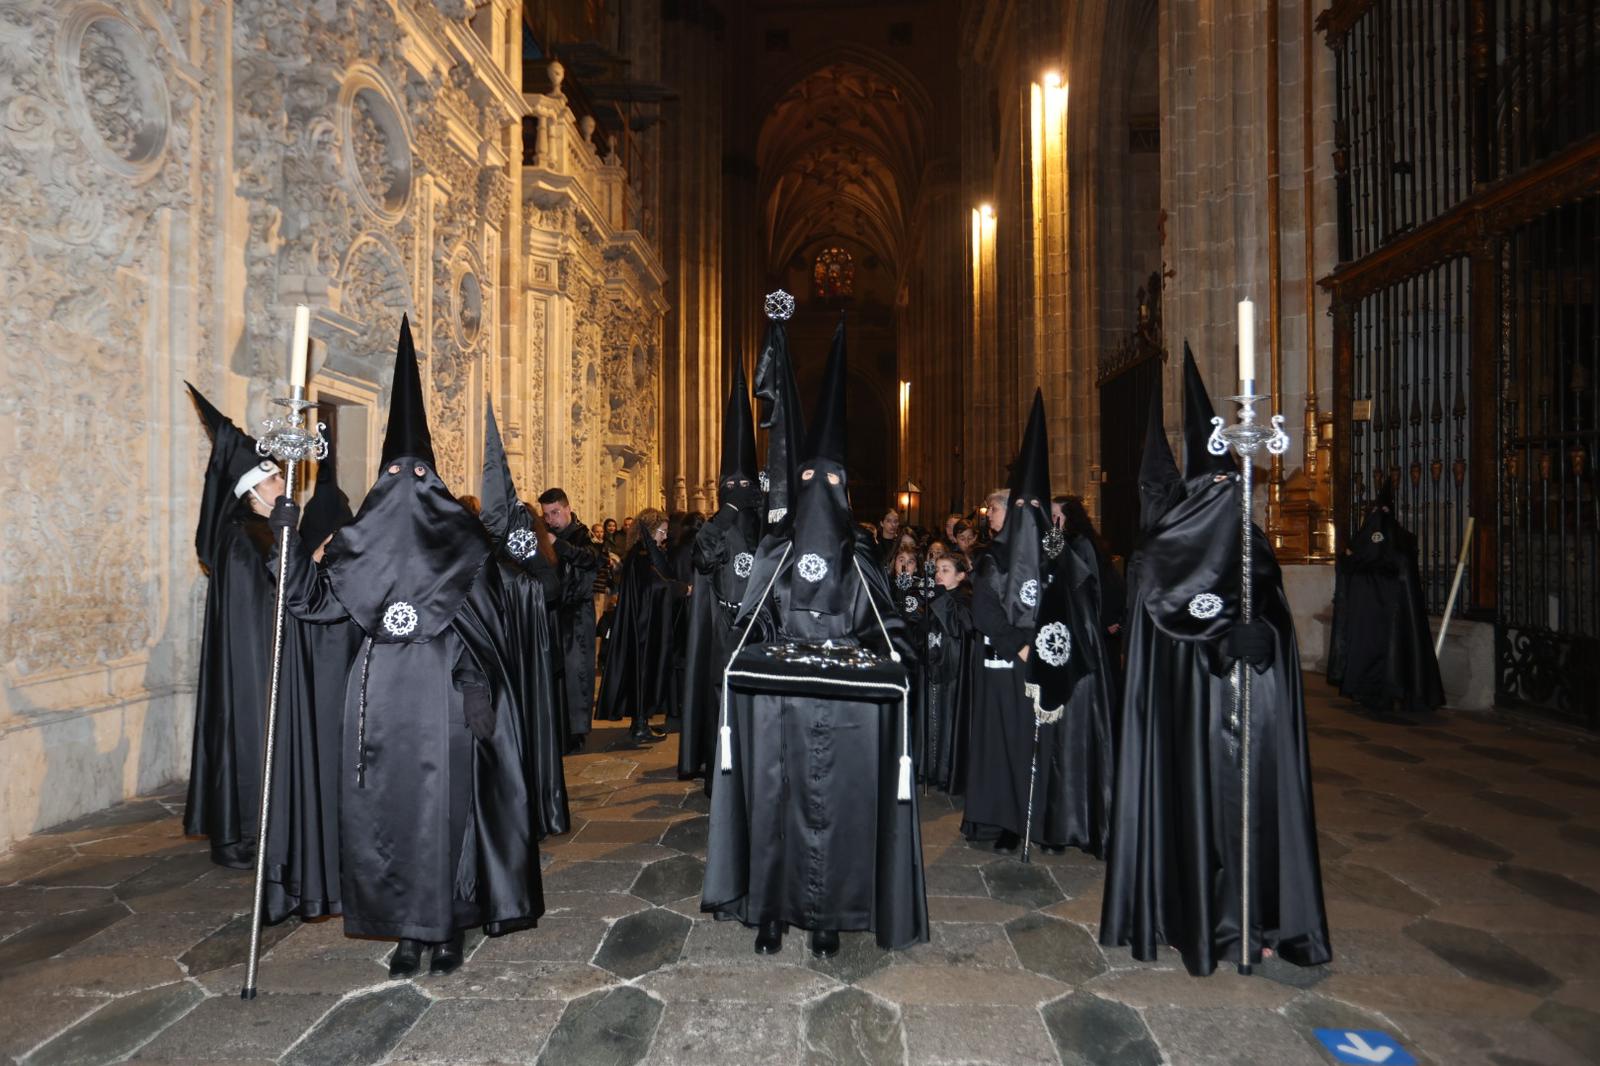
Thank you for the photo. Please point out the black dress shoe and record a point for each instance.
(825, 943)
(648, 735)
(406, 960)
(1007, 842)
(447, 957)
(769, 938)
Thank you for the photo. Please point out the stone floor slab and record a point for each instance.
(612, 1028)
(670, 879)
(751, 1034)
(362, 1029)
(993, 1035)
(642, 942)
(118, 1029)
(466, 1032)
(228, 1029)
(851, 1028)
(1055, 948)
(1090, 1031)
(1227, 1036)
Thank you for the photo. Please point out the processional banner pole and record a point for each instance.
(1246, 437)
(288, 440)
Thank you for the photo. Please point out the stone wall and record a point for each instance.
(177, 175)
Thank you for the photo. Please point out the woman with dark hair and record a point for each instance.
(638, 659)
(1072, 518)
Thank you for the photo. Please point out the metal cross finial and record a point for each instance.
(780, 306)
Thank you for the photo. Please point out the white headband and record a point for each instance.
(255, 476)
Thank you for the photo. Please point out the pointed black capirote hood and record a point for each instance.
(328, 509)
(1198, 461)
(501, 510)
(1030, 474)
(233, 452)
(209, 415)
(827, 436)
(738, 431)
(408, 434)
(1160, 483)
(1385, 498)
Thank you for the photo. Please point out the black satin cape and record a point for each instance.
(723, 548)
(806, 828)
(953, 653)
(1172, 873)
(577, 562)
(638, 676)
(1381, 648)
(224, 795)
(438, 827)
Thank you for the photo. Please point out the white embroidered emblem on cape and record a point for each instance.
(1054, 643)
(522, 543)
(1029, 593)
(399, 619)
(1206, 605)
(743, 563)
(812, 567)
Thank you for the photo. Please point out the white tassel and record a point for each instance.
(904, 793)
(727, 748)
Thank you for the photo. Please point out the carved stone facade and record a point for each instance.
(177, 175)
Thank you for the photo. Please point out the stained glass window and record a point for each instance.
(834, 273)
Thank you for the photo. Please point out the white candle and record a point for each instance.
(1247, 341)
(297, 354)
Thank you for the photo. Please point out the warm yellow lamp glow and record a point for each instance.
(1052, 79)
(986, 210)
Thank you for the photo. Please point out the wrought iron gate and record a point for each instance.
(1466, 322)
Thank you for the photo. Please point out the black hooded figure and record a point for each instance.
(1173, 873)
(952, 657)
(813, 817)
(1036, 601)
(781, 418)
(639, 678)
(515, 537)
(1381, 652)
(723, 556)
(234, 542)
(438, 776)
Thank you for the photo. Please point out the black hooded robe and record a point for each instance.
(1172, 877)
(806, 828)
(724, 555)
(436, 822)
(577, 561)
(639, 677)
(224, 795)
(953, 654)
(1073, 790)
(1381, 651)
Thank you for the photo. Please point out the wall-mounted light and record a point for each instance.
(986, 210)
(1052, 79)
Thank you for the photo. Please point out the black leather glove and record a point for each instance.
(285, 515)
(1250, 641)
(479, 708)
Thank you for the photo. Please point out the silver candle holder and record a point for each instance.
(1245, 437)
(288, 439)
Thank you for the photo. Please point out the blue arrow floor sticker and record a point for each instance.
(1364, 1046)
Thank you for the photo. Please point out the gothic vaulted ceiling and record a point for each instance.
(839, 155)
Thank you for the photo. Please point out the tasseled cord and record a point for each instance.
(725, 732)
(903, 792)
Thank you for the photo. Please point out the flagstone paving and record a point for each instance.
(1461, 860)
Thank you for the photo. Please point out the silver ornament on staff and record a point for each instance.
(290, 440)
(1245, 437)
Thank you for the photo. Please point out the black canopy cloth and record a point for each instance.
(1381, 649)
(224, 796)
(1173, 870)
